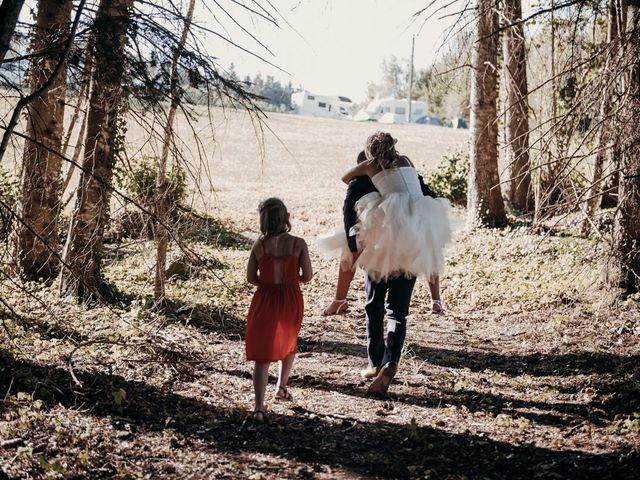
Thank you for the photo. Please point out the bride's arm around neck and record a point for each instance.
(370, 168)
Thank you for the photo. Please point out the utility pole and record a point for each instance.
(413, 43)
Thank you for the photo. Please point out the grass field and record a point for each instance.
(299, 159)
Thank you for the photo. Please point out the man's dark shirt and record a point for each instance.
(358, 188)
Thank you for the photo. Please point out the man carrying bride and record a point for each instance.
(401, 234)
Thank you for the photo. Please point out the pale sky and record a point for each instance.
(331, 47)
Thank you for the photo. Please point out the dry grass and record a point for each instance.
(299, 159)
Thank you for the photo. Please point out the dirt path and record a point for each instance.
(532, 373)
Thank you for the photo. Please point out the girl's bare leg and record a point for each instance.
(284, 369)
(260, 380)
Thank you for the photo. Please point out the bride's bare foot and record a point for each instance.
(336, 307)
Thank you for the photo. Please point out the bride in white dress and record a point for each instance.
(399, 230)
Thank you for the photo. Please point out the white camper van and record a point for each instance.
(307, 103)
(391, 110)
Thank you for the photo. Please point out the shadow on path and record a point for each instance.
(534, 364)
(618, 384)
(55, 329)
(380, 449)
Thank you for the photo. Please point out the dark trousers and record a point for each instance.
(393, 297)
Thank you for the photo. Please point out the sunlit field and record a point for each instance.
(299, 159)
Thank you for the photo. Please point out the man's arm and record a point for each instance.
(358, 187)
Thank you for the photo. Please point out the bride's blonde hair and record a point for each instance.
(381, 147)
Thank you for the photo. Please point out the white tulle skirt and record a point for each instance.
(334, 245)
(401, 233)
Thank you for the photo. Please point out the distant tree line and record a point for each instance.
(272, 95)
(269, 93)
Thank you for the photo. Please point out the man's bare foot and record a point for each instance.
(370, 372)
(380, 384)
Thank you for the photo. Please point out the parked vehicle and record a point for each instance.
(311, 104)
(393, 110)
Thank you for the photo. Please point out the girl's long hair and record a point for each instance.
(274, 217)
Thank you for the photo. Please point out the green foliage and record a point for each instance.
(450, 177)
(433, 91)
(51, 468)
(120, 138)
(139, 182)
(119, 396)
(274, 95)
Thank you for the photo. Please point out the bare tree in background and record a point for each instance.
(37, 236)
(484, 200)
(83, 249)
(80, 110)
(605, 136)
(9, 13)
(162, 188)
(628, 240)
(516, 110)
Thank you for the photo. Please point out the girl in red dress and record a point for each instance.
(278, 263)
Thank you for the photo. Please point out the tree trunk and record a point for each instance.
(9, 13)
(604, 140)
(83, 249)
(485, 203)
(517, 111)
(37, 236)
(83, 99)
(162, 188)
(547, 189)
(628, 241)
(609, 197)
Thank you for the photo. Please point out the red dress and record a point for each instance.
(275, 314)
